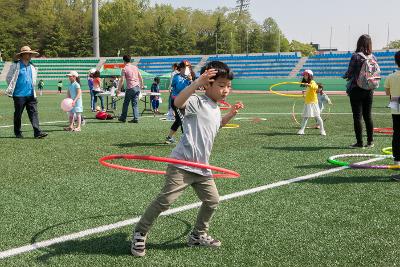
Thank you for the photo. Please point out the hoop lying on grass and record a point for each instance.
(231, 126)
(333, 160)
(225, 173)
(383, 130)
(254, 119)
(282, 94)
(387, 150)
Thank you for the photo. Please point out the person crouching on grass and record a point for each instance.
(201, 123)
(75, 92)
(311, 108)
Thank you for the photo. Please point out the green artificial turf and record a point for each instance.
(55, 186)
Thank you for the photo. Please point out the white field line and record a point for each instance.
(26, 124)
(241, 113)
(52, 122)
(105, 228)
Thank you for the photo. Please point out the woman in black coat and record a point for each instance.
(360, 99)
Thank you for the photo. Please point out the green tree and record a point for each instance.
(393, 45)
(256, 40)
(121, 27)
(272, 35)
(63, 28)
(305, 49)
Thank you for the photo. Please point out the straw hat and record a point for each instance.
(26, 50)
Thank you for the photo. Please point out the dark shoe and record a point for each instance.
(356, 145)
(121, 120)
(134, 121)
(396, 177)
(19, 136)
(370, 145)
(169, 140)
(41, 135)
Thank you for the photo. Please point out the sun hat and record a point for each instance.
(73, 73)
(26, 50)
(309, 72)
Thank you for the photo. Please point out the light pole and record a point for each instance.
(95, 18)
(247, 41)
(216, 43)
(279, 40)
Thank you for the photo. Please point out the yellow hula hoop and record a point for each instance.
(282, 94)
(387, 150)
(231, 126)
(298, 123)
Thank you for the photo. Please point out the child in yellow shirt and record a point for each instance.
(311, 108)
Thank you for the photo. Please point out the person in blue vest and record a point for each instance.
(21, 80)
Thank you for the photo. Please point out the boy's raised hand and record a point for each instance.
(235, 108)
(206, 77)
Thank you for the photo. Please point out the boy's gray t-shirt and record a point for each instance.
(200, 126)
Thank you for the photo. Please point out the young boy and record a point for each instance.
(392, 87)
(200, 125)
(155, 99)
(40, 87)
(59, 86)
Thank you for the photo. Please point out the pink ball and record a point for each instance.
(66, 104)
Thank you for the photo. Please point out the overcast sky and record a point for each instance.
(311, 20)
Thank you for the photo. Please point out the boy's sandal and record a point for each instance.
(76, 130)
(68, 129)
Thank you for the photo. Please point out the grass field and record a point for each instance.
(55, 187)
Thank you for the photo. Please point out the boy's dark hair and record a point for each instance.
(175, 66)
(126, 58)
(397, 58)
(320, 86)
(96, 74)
(223, 71)
(364, 45)
(157, 79)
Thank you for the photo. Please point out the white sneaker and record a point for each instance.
(138, 247)
(203, 240)
(300, 132)
(323, 133)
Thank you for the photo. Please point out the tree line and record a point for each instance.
(63, 28)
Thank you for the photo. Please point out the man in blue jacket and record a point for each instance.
(21, 80)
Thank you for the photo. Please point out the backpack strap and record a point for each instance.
(364, 56)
